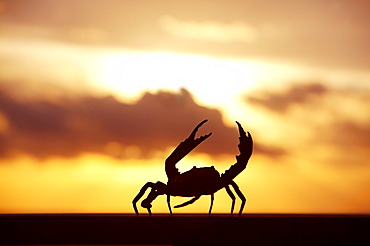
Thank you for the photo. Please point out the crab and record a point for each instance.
(198, 181)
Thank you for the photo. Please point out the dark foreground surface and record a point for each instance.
(189, 229)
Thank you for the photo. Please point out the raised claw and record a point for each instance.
(192, 135)
(191, 140)
(241, 130)
(245, 140)
(183, 149)
(245, 148)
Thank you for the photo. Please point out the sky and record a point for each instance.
(94, 95)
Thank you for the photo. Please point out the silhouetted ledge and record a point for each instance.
(185, 229)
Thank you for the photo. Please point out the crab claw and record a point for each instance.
(200, 139)
(246, 141)
(241, 130)
(183, 149)
(146, 203)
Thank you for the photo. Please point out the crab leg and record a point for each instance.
(232, 196)
(241, 196)
(140, 194)
(210, 208)
(188, 202)
(169, 203)
(152, 195)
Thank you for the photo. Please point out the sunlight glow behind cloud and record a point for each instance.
(213, 81)
(209, 30)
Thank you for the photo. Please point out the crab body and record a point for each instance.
(194, 182)
(199, 180)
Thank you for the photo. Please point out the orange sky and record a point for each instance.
(96, 94)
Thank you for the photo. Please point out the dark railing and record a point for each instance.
(185, 229)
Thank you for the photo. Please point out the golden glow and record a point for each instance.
(212, 80)
(90, 183)
(223, 57)
(96, 183)
(210, 30)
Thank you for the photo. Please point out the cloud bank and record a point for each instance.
(337, 120)
(297, 94)
(105, 125)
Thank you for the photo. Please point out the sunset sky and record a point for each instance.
(94, 95)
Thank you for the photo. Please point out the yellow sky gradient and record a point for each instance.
(96, 94)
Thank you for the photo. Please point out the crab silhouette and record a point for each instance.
(199, 180)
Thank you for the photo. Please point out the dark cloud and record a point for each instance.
(153, 123)
(297, 94)
(350, 139)
(346, 128)
(351, 134)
